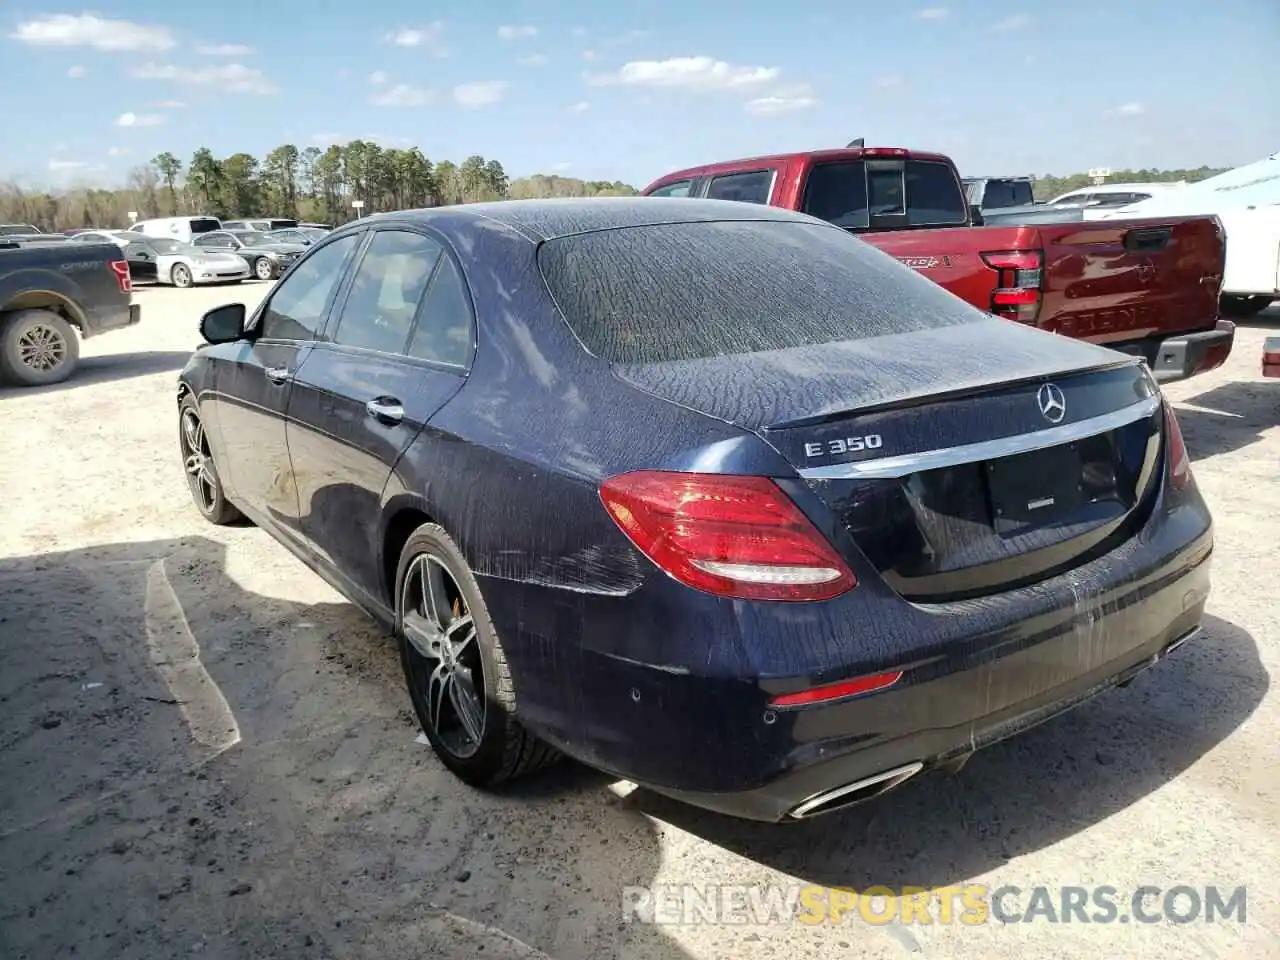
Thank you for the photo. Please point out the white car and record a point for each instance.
(162, 260)
(1247, 202)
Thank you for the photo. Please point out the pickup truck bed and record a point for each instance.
(1146, 287)
(51, 295)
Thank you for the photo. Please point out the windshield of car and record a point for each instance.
(16, 229)
(682, 291)
(851, 193)
(167, 246)
(254, 237)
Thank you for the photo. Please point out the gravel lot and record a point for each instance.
(275, 802)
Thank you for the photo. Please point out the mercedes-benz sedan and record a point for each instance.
(712, 496)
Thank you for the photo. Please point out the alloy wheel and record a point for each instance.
(445, 662)
(264, 269)
(198, 462)
(41, 347)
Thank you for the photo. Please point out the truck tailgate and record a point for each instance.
(1112, 281)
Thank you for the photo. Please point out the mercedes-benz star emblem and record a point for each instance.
(1053, 405)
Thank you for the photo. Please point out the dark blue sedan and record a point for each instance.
(712, 496)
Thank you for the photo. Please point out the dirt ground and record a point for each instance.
(205, 751)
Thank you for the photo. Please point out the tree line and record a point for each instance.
(1049, 186)
(307, 184)
(320, 184)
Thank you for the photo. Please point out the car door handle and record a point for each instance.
(277, 374)
(386, 409)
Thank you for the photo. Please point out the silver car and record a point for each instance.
(162, 260)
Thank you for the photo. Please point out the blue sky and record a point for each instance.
(631, 89)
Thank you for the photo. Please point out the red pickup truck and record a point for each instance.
(1147, 287)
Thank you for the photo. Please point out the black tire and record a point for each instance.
(505, 749)
(37, 348)
(180, 275)
(264, 269)
(1244, 306)
(205, 487)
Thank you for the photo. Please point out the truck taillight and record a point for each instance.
(885, 152)
(732, 536)
(123, 278)
(1019, 277)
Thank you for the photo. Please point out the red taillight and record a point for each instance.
(1019, 277)
(885, 152)
(123, 279)
(837, 691)
(731, 536)
(1179, 462)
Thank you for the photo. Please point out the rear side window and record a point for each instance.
(688, 290)
(680, 189)
(750, 187)
(851, 193)
(443, 333)
(385, 291)
(204, 225)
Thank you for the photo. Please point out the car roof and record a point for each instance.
(539, 220)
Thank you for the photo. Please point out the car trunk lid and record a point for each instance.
(960, 461)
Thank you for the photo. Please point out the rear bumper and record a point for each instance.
(116, 319)
(973, 672)
(1189, 354)
(1271, 357)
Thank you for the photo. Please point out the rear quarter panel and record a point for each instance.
(75, 273)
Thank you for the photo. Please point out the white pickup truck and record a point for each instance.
(1247, 201)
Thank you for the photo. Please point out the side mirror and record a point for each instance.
(223, 324)
(975, 214)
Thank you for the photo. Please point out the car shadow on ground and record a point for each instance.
(189, 765)
(1024, 794)
(1228, 417)
(105, 369)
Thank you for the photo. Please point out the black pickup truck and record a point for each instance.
(47, 288)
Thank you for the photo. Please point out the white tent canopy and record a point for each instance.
(1253, 185)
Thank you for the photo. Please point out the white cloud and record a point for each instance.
(1131, 109)
(888, 81)
(168, 104)
(378, 78)
(90, 30)
(401, 95)
(232, 78)
(139, 120)
(76, 73)
(225, 50)
(695, 73)
(480, 94)
(1009, 24)
(784, 100)
(507, 32)
(580, 107)
(590, 55)
(119, 152)
(428, 37)
(533, 60)
(932, 13)
(59, 165)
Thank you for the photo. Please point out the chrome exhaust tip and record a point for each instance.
(839, 797)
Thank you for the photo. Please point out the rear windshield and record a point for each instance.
(204, 225)
(682, 291)
(850, 193)
(1007, 193)
(283, 224)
